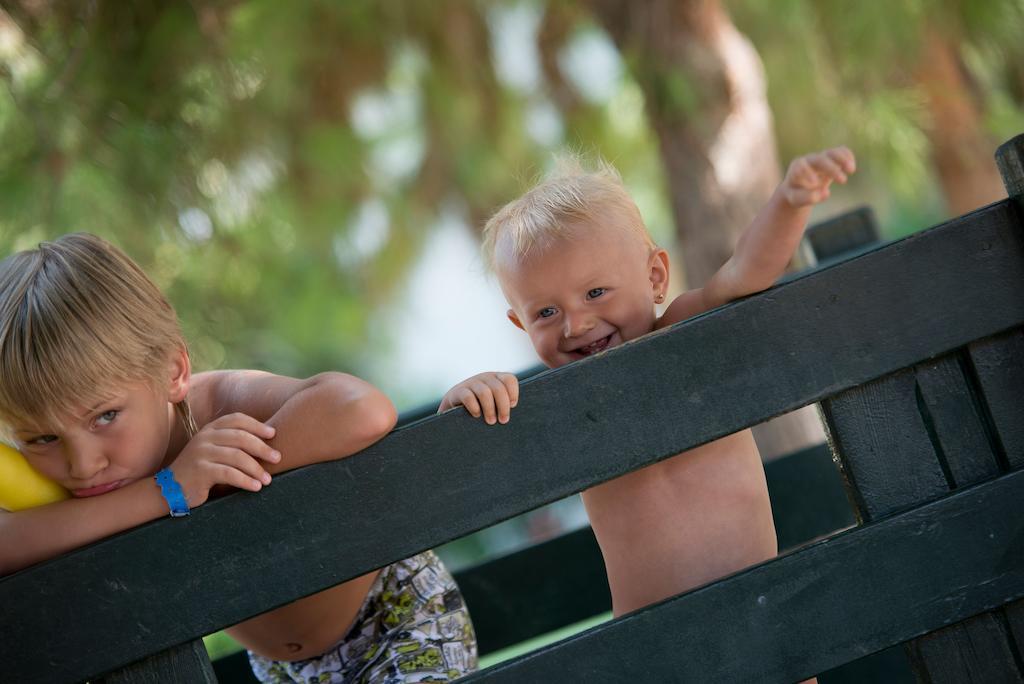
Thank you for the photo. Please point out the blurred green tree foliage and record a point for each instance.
(278, 166)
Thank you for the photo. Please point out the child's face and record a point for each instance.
(586, 293)
(97, 449)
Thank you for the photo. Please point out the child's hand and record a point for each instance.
(808, 177)
(227, 451)
(491, 394)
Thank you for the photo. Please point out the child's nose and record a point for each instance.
(577, 324)
(85, 461)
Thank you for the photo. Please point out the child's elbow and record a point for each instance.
(377, 416)
(370, 414)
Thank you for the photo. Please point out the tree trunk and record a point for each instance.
(706, 100)
(961, 150)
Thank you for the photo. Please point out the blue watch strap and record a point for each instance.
(171, 490)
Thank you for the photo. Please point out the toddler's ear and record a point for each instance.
(515, 319)
(180, 375)
(659, 271)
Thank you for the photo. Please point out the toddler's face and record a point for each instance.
(585, 293)
(97, 449)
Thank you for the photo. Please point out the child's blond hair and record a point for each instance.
(557, 206)
(77, 316)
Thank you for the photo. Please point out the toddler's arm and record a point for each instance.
(765, 248)
(492, 395)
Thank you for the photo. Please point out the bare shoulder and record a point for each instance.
(260, 394)
(686, 305)
(252, 392)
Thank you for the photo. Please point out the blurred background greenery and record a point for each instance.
(307, 180)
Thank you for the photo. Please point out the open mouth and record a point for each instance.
(97, 490)
(595, 346)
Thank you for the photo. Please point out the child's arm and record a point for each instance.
(492, 395)
(765, 248)
(224, 452)
(327, 416)
(263, 423)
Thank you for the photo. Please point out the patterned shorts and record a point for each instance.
(412, 627)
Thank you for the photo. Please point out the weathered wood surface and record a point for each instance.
(850, 232)
(999, 366)
(976, 650)
(447, 476)
(185, 663)
(562, 581)
(1010, 160)
(805, 612)
(912, 437)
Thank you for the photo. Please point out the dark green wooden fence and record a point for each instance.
(915, 349)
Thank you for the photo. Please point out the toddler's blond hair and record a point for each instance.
(557, 207)
(77, 317)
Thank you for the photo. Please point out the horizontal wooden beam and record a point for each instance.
(816, 608)
(441, 478)
(562, 581)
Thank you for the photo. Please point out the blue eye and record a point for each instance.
(41, 440)
(546, 312)
(595, 293)
(107, 417)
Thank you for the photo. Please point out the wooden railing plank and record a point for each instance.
(956, 420)
(975, 650)
(999, 365)
(808, 611)
(562, 581)
(878, 428)
(447, 476)
(884, 441)
(185, 663)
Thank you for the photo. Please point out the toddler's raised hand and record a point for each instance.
(227, 451)
(808, 177)
(492, 395)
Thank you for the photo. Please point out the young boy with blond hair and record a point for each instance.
(97, 392)
(582, 275)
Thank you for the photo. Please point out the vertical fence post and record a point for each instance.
(1010, 160)
(915, 435)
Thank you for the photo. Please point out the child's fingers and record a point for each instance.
(247, 442)
(511, 383)
(486, 398)
(238, 477)
(241, 421)
(844, 157)
(502, 402)
(469, 400)
(825, 166)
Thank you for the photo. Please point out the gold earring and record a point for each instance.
(660, 298)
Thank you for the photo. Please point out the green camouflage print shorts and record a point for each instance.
(412, 627)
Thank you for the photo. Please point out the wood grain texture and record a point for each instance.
(825, 604)
(837, 237)
(976, 650)
(1014, 613)
(185, 663)
(909, 438)
(1010, 160)
(955, 421)
(446, 476)
(999, 365)
(884, 446)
